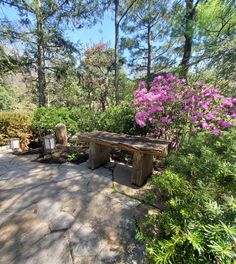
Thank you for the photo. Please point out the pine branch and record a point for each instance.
(126, 11)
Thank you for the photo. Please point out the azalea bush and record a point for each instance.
(178, 109)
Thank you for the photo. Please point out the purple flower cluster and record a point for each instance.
(174, 107)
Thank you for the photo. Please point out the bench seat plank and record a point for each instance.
(126, 142)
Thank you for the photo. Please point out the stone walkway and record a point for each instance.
(65, 214)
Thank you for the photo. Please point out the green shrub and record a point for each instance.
(17, 125)
(198, 225)
(45, 119)
(120, 119)
(85, 119)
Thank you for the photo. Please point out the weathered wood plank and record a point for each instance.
(142, 168)
(98, 155)
(129, 143)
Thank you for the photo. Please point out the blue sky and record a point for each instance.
(103, 31)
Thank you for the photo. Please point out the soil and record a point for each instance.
(79, 154)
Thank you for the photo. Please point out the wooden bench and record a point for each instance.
(143, 148)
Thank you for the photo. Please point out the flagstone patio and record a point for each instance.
(65, 214)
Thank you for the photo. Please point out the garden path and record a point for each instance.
(65, 214)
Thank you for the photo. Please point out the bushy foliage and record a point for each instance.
(15, 125)
(6, 99)
(120, 119)
(198, 225)
(45, 119)
(86, 120)
(177, 108)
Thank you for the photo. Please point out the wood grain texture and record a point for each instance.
(130, 143)
(142, 168)
(98, 155)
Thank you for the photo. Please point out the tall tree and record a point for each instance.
(40, 26)
(216, 48)
(145, 28)
(121, 10)
(190, 14)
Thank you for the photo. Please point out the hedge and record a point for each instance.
(42, 121)
(17, 125)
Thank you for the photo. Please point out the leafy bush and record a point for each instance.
(45, 119)
(85, 119)
(177, 109)
(198, 225)
(17, 125)
(120, 119)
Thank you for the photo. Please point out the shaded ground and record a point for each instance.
(80, 153)
(66, 213)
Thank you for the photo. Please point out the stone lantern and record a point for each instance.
(49, 143)
(15, 144)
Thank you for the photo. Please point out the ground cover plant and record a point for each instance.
(198, 224)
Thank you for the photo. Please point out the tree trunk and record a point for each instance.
(188, 35)
(41, 59)
(149, 55)
(117, 92)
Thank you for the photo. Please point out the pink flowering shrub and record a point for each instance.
(178, 109)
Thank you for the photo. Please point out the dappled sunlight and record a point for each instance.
(63, 213)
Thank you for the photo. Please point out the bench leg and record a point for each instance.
(98, 155)
(142, 168)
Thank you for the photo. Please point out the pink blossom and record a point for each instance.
(228, 103)
(193, 119)
(224, 124)
(151, 120)
(216, 132)
(172, 104)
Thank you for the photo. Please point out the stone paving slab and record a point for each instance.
(65, 214)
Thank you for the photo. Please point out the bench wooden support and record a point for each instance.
(98, 155)
(144, 149)
(142, 168)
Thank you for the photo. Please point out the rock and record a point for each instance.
(52, 249)
(62, 221)
(35, 235)
(73, 139)
(61, 134)
(85, 260)
(48, 209)
(99, 184)
(85, 242)
(3, 169)
(72, 206)
(142, 211)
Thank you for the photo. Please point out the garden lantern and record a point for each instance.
(15, 143)
(49, 143)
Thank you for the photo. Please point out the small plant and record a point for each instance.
(73, 156)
